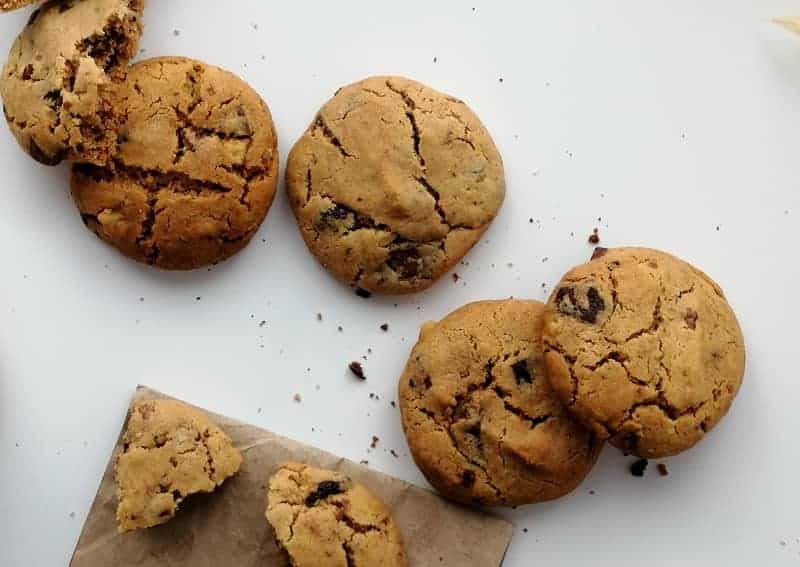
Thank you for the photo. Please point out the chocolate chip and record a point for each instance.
(630, 442)
(638, 467)
(521, 372)
(358, 370)
(39, 155)
(594, 238)
(385, 327)
(662, 469)
(691, 318)
(567, 303)
(406, 262)
(599, 252)
(363, 293)
(324, 489)
(337, 212)
(596, 304)
(468, 479)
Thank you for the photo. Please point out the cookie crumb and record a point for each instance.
(72, 514)
(357, 369)
(363, 293)
(262, 323)
(594, 238)
(592, 492)
(339, 328)
(435, 59)
(374, 442)
(176, 32)
(319, 316)
(524, 530)
(394, 453)
(363, 462)
(198, 298)
(638, 467)
(297, 398)
(456, 277)
(662, 469)
(393, 404)
(385, 327)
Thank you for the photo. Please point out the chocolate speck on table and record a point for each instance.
(524, 530)
(385, 327)
(435, 59)
(364, 462)
(262, 323)
(662, 469)
(297, 398)
(340, 329)
(374, 442)
(363, 293)
(357, 370)
(456, 277)
(592, 492)
(394, 453)
(638, 467)
(594, 238)
(198, 298)
(393, 404)
(176, 32)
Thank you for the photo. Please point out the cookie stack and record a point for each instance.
(509, 402)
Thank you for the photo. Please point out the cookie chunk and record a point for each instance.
(170, 451)
(59, 83)
(323, 519)
(643, 349)
(480, 418)
(393, 183)
(8, 5)
(194, 172)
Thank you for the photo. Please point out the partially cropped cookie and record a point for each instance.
(393, 183)
(195, 168)
(480, 418)
(322, 518)
(643, 349)
(170, 451)
(59, 83)
(7, 5)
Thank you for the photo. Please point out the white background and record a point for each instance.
(674, 121)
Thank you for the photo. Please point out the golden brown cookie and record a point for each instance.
(195, 169)
(7, 5)
(480, 418)
(393, 183)
(322, 518)
(59, 83)
(170, 451)
(643, 349)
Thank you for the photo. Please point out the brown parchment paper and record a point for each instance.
(228, 527)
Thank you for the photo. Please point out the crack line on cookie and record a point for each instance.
(328, 134)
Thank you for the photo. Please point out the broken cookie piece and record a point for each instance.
(8, 5)
(59, 85)
(322, 518)
(170, 451)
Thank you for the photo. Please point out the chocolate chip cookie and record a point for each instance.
(323, 519)
(194, 171)
(480, 418)
(393, 183)
(643, 349)
(170, 452)
(7, 5)
(59, 83)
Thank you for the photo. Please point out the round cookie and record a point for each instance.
(393, 183)
(8, 5)
(322, 518)
(643, 349)
(170, 451)
(481, 420)
(59, 83)
(194, 172)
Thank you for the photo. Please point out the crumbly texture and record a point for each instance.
(170, 451)
(323, 519)
(481, 420)
(60, 81)
(393, 183)
(194, 172)
(7, 5)
(643, 349)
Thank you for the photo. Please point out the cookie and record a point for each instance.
(322, 518)
(170, 451)
(393, 183)
(194, 172)
(643, 349)
(8, 5)
(480, 418)
(59, 83)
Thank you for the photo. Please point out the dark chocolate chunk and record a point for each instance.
(521, 372)
(385, 327)
(662, 469)
(567, 303)
(324, 489)
(594, 238)
(638, 467)
(363, 293)
(358, 370)
(468, 478)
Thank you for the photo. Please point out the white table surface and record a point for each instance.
(676, 122)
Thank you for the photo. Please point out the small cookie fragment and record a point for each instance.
(322, 518)
(393, 183)
(481, 420)
(59, 85)
(195, 170)
(8, 5)
(643, 349)
(170, 451)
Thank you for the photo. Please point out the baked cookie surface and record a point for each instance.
(170, 451)
(643, 349)
(393, 183)
(59, 83)
(480, 418)
(323, 519)
(7, 5)
(195, 170)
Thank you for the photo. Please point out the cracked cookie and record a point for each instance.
(643, 349)
(393, 183)
(480, 418)
(195, 169)
(8, 5)
(170, 451)
(59, 83)
(323, 519)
